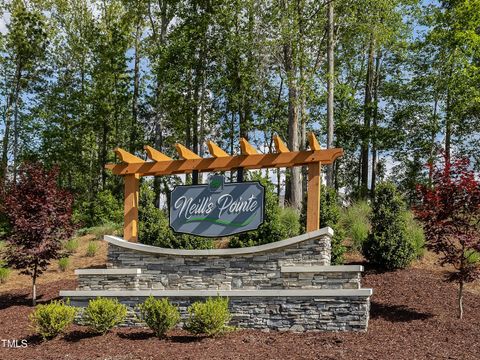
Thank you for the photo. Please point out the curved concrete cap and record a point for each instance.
(117, 241)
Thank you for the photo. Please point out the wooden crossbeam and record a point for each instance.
(255, 161)
(313, 142)
(156, 155)
(185, 153)
(215, 150)
(246, 148)
(126, 157)
(280, 146)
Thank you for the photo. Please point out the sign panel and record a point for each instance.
(217, 209)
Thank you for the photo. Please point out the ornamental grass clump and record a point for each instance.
(63, 264)
(210, 318)
(101, 315)
(92, 249)
(71, 245)
(4, 274)
(159, 315)
(53, 318)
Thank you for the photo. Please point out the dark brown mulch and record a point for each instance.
(413, 316)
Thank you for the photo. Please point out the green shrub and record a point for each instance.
(289, 221)
(387, 245)
(210, 317)
(154, 228)
(103, 208)
(63, 263)
(472, 256)
(106, 209)
(101, 315)
(414, 232)
(4, 274)
(159, 315)
(330, 216)
(355, 221)
(278, 223)
(92, 248)
(71, 245)
(51, 319)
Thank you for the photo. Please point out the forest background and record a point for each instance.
(395, 83)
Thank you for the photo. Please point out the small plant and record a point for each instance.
(63, 263)
(92, 249)
(102, 314)
(414, 232)
(159, 315)
(210, 318)
(4, 274)
(355, 221)
(71, 245)
(51, 319)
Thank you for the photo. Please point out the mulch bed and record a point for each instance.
(413, 316)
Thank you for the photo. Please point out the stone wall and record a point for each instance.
(286, 285)
(283, 313)
(251, 270)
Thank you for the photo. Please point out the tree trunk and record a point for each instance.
(374, 125)
(294, 184)
(136, 83)
(460, 300)
(34, 285)
(433, 134)
(448, 126)
(330, 87)
(367, 119)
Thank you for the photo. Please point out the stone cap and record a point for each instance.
(321, 269)
(117, 241)
(320, 293)
(108, 271)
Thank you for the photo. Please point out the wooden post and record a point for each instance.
(313, 197)
(130, 217)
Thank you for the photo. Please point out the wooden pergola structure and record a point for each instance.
(132, 168)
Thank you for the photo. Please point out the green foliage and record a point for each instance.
(63, 263)
(356, 223)
(106, 209)
(472, 257)
(92, 249)
(102, 314)
(159, 315)
(71, 245)
(51, 319)
(329, 216)
(387, 245)
(414, 233)
(210, 317)
(278, 223)
(154, 228)
(106, 229)
(4, 274)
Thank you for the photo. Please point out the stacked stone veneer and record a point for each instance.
(287, 285)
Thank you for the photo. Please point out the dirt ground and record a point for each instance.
(413, 316)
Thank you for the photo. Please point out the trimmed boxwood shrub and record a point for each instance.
(210, 317)
(388, 245)
(102, 314)
(51, 319)
(159, 315)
